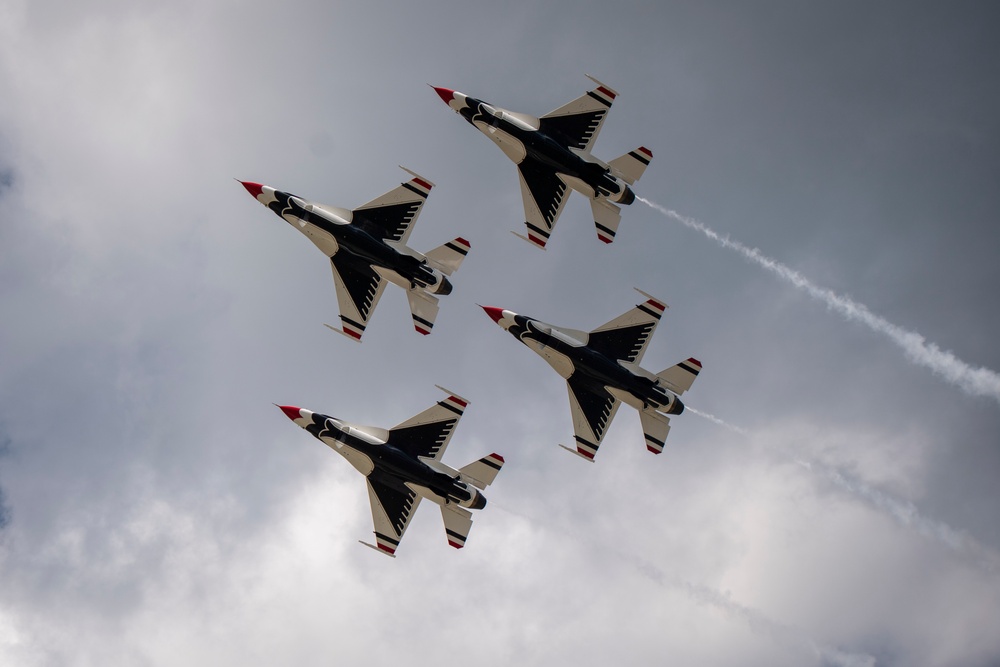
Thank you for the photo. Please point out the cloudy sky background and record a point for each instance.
(156, 509)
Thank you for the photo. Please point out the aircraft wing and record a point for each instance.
(359, 288)
(577, 124)
(393, 505)
(592, 409)
(428, 433)
(544, 196)
(391, 216)
(626, 337)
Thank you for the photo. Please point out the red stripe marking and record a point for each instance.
(385, 548)
(459, 401)
(422, 183)
(463, 242)
(421, 331)
(695, 362)
(585, 452)
(455, 544)
(655, 451)
(607, 92)
(497, 457)
(646, 151)
(605, 238)
(659, 306)
(535, 239)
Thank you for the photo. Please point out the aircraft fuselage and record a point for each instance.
(575, 359)
(522, 142)
(367, 453)
(323, 226)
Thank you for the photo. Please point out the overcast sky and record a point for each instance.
(156, 509)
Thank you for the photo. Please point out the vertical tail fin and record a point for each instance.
(630, 167)
(448, 257)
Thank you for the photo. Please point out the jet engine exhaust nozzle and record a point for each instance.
(627, 196)
(444, 287)
(676, 408)
(478, 501)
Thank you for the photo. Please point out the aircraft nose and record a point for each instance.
(446, 94)
(291, 411)
(253, 188)
(496, 314)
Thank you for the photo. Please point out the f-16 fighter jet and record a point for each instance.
(403, 465)
(602, 370)
(367, 247)
(552, 154)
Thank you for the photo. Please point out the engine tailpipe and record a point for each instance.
(478, 502)
(443, 287)
(627, 196)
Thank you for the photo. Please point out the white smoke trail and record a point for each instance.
(974, 381)
(902, 511)
(906, 514)
(716, 420)
(786, 636)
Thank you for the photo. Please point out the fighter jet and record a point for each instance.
(403, 465)
(602, 370)
(367, 247)
(552, 154)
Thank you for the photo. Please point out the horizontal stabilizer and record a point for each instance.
(448, 257)
(655, 428)
(424, 309)
(629, 167)
(457, 524)
(481, 473)
(679, 378)
(606, 217)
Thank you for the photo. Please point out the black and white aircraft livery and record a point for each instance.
(553, 153)
(403, 464)
(602, 370)
(367, 247)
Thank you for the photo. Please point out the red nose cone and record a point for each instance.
(496, 314)
(253, 188)
(445, 94)
(290, 411)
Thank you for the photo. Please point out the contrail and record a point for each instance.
(974, 381)
(716, 420)
(759, 623)
(906, 513)
(903, 512)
